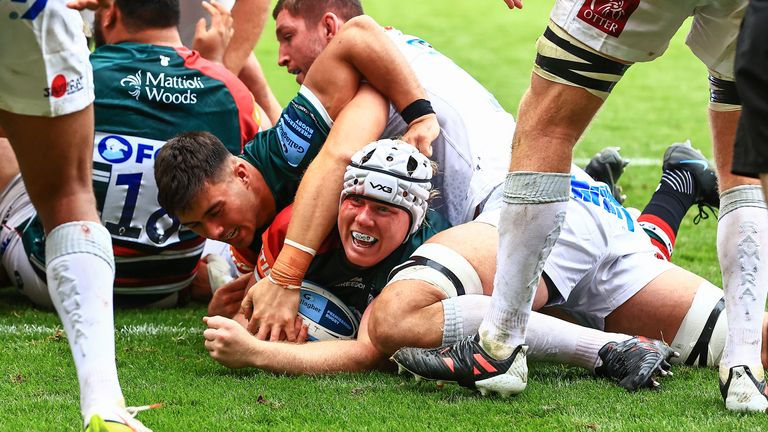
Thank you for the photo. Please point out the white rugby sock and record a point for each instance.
(549, 339)
(531, 218)
(80, 273)
(742, 248)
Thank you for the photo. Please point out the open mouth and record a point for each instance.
(230, 235)
(363, 240)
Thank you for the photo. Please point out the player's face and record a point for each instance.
(225, 211)
(370, 230)
(299, 45)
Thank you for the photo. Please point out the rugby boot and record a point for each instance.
(126, 423)
(636, 362)
(466, 363)
(97, 424)
(743, 392)
(607, 166)
(683, 156)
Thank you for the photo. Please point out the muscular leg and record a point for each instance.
(412, 312)
(54, 155)
(657, 310)
(742, 250)
(552, 118)
(57, 177)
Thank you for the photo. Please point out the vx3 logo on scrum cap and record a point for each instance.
(608, 16)
(381, 187)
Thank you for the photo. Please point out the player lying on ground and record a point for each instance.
(691, 316)
(361, 255)
(156, 257)
(472, 149)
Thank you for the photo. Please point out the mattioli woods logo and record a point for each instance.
(608, 16)
(162, 87)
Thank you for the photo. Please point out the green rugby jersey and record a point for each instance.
(146, 94)
(330, 269)
(283, 153)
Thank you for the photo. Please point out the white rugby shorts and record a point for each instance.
(601, 259)
(44, 66)
(640, 30)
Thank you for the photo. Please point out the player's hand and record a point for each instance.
(421, 132)
(302, 330)
(88, 4)
(514, 4)
(271, 311)
(212, 42)
(227, 299)
(229, 343)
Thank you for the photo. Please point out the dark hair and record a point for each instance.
(313, 10)
(184, 164)
(146, 14)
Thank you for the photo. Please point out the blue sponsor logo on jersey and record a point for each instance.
(115, 149)
(421, 43)
(294, 136)
(601, 196)
(34, 10)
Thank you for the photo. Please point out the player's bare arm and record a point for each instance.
(231, 345)
(359, 50)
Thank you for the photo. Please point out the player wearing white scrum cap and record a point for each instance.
(383, 214)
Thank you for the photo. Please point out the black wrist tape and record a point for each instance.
(417, 108)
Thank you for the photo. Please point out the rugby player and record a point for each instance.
(585, 50)
(383, 217)
(148, 88)
(46, 113)
(471, 150)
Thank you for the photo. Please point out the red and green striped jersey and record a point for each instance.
(146, 94)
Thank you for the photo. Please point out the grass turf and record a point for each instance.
(160, 353)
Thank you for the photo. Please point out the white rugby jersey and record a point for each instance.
(474, 146)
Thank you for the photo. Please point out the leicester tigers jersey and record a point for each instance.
(355, 286)
(283, 153)
(146, 94)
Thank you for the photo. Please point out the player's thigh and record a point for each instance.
(55, 157)
(470, 249)
(406, 313)
(659, 307)
(713, 34)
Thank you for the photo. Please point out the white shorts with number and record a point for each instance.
(44, 67)
(602, 257)
(640, 30)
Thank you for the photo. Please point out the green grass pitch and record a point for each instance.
(161, 356)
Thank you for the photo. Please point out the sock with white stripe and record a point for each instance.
(665, 211)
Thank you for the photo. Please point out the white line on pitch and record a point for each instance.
(632, 161)
(140, 330)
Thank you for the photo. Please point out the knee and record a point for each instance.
(386, 325)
